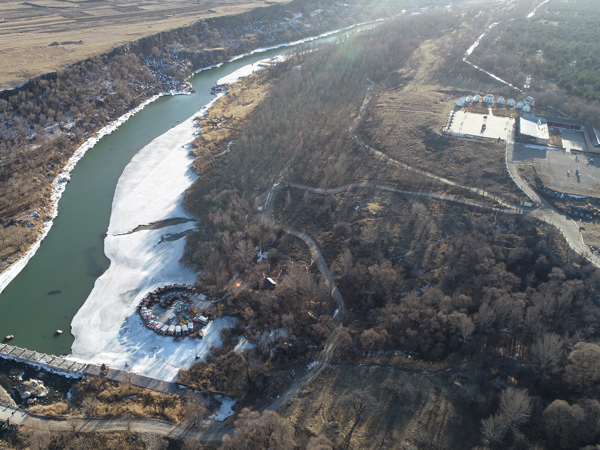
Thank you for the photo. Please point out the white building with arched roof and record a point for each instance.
(488, 98)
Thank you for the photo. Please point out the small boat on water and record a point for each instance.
(9, 337)
(58, 331)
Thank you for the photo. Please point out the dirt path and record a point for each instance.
(481, 192)
(206, 432)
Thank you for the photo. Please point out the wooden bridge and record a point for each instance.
(70, 368)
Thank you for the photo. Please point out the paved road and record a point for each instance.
(568, 227)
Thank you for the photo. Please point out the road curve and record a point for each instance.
(568, 227)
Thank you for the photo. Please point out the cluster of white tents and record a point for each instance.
(490, 100)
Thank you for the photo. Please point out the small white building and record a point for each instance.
(468, 99)
(520, 105)
(461, 102)
(500, 100)
(477, 98)
(526, 108)
(530, 101)
(488, 98)
(510, 102)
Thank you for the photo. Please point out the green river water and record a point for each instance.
(71, 257)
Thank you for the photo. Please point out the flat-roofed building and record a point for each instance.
(533, 130)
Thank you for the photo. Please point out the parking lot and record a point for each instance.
(558, 170)
(487, 126)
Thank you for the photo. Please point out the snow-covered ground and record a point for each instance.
(226, 408)
(107, 328)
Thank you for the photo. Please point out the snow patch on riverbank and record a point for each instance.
(107, 328)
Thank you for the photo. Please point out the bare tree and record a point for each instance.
(493, 429)
(319, 442)
(369, 235)
(515, 407)
(583, 370)
(255, 431)
(88, 405)
(398, 387)
(194, 408)
(464, 324)
(546, 354)
(485, 317)
(360, 401)
(344, 264)
(191, 444)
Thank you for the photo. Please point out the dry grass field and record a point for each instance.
(87, 28)
(435, 417)
(406, 119)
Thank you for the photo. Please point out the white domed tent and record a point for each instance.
(460, 102)
(488, 98)
(510, 102)
(468, 99)
(500, 100)
(526, 108)
(477, 98)
(520, 105)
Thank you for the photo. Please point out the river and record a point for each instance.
(55, 283)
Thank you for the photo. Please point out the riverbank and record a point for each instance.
(106, 328)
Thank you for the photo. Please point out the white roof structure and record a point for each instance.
(534, 127)
(468, 99)
(488, 98)
(461, 101)
(520, 105)
(477, 98)
(530, 100)
(526, 108)
(500, 100)
(510, 102)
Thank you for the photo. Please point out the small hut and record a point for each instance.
(270, 283)
(500, 100)
(477, 98)
(510, 102)
(489, 99)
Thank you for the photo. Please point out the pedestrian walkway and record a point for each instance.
(74, 369)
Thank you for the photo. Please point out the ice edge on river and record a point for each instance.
(60, 182)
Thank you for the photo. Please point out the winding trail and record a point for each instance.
(481, 192)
